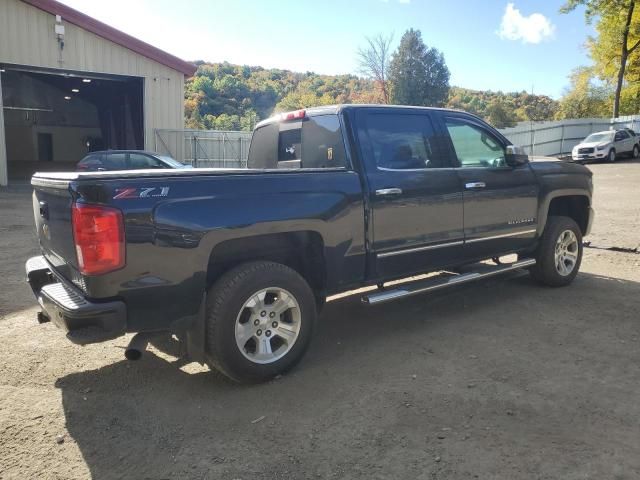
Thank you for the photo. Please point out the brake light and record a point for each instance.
(98, 233)
(295, 115)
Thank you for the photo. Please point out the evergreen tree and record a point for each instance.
(418, 74)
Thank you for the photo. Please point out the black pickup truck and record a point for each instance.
(237, 263)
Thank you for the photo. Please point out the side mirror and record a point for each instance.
(515, 156)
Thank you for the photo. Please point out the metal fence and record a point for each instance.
(213, 148)
(557, 138)
(205, 148)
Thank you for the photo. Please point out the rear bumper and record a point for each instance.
(62, 303)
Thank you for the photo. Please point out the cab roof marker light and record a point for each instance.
(295, 115)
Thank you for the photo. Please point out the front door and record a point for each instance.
(500, 201)
(414, 193)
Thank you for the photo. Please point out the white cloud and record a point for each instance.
(531, 29)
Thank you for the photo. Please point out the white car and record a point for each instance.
(607, 145)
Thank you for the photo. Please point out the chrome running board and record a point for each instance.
(443, 280)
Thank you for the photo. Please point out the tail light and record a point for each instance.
(98, 233)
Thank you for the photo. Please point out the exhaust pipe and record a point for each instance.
(137, 345)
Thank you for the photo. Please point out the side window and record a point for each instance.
(621, 135)
(401, 141)
(140, 161)
(475, 147)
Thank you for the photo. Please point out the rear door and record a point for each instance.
(623, 142)
(414, 193)
(500, 201)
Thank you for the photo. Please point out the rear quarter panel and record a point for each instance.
(170, 238)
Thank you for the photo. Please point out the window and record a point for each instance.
(140, 161)
(401, 141)
(621, 135)
(474, 146)
(315, 142)
(115, 161)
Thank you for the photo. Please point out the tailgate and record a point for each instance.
(52, 214)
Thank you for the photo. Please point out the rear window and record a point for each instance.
(315, 142)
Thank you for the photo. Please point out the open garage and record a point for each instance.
(70, 85)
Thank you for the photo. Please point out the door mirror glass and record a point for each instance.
(515, 156)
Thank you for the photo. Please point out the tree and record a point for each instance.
(584, 99)
(418, 74)
(499, 115)
(374, 62)
(619, 24)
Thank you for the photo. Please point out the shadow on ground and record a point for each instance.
(502, 379)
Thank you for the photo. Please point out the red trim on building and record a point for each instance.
(103, 30)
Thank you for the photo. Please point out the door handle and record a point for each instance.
(472, 185)
(388, 191)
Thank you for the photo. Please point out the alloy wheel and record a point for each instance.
(268, 325)
(566, 252)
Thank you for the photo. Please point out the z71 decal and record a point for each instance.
(147, 192)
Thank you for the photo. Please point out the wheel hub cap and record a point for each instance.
(268, 325)
(566, 252)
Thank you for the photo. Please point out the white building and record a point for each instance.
(70, 84)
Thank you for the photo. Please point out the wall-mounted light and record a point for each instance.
(67, 98)
(86, 80)
(2, 70)
(75, 90)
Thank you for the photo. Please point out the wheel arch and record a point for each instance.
(574, 204)
(302, 251)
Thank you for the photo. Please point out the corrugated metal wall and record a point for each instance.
(27, 38)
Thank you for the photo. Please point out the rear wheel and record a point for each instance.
(612, 156)
(636, 151)
(559, 255)
(260, 318)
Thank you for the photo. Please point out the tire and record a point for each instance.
(636, 152)
(611, 157)
(239, 312)
(553, 270)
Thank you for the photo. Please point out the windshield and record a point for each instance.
(171, 161)
(599, 137)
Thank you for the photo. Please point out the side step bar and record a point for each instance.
(444, 280)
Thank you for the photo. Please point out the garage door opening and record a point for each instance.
(52, 120)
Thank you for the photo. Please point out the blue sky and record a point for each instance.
(490, 44)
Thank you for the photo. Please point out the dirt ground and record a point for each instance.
(502, 379)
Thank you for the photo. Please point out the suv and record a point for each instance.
(607, 145)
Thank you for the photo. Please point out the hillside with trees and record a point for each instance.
(222, 96)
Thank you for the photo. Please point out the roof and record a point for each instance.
(334, 109)
(103, 30)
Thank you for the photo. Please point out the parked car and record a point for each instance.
(607, 145)
(237, 263)
(125, 160)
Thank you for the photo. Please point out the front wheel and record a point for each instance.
(612, 156)
(636, 151)
(559, 254)
(260, 319)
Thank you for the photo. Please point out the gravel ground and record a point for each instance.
(501, 379)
